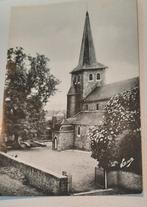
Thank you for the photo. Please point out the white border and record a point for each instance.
(99, 201)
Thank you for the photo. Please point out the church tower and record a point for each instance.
(87, 75)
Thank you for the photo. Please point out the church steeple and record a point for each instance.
(88, 75)
(87, 53)
(87, 58)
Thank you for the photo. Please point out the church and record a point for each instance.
(86, 97)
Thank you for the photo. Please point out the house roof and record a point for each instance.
(87, 59)
(109, 90)
(90, 118)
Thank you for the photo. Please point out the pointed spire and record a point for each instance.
(87, 53)
(87, 59)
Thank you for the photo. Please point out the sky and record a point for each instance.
(55, 30)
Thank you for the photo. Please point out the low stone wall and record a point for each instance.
(48, 182)
(127, 180)
(113, 179)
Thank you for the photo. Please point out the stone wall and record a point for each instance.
(82, 141)
(92, 106)
(48, 182)
(65, 140)
(71, 140)
(126, 180)
(73, 104)
(88, 85)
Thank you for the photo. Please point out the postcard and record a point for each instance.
(71, 121)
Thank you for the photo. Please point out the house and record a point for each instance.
(87, 97)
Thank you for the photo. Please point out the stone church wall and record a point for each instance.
(82, 141)
(65, 140)
(93, 106)
(73, 104)
(88, 85)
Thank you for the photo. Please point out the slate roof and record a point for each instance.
(73, 90)
(107, 91)
(93, 66)
(87, 59)
(90, 118)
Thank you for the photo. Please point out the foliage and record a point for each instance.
(118, 137)
(28, 86)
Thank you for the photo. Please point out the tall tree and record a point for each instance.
(117, 143)
(28, 86)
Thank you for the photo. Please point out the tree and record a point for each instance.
(28, 86)
(116, 143)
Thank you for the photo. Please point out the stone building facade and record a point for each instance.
(86, 97)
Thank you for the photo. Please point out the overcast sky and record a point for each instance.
(56, 31)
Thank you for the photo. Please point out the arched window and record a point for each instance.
(98, 76)
(97, 107)
(55, 143)
(74, 79)
(78, 131)
(78, 78)
(90, 77)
